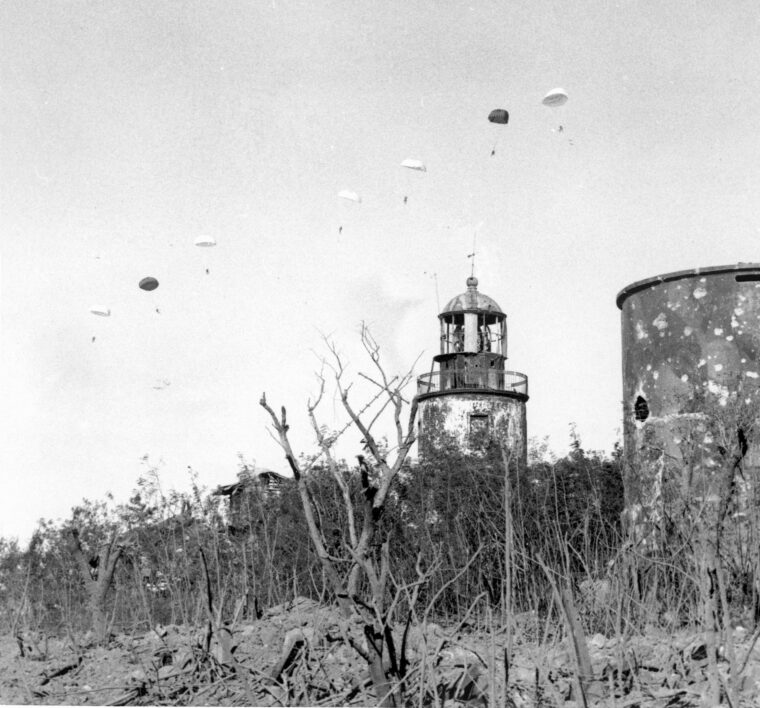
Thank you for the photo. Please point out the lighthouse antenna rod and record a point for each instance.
(437, 297)
(472, 255)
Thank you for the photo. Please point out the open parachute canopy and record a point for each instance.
(499, 115)
(412, 164)
(555, 98)
(348, 194)
(205, 241)
(148, 283)
(101, 311)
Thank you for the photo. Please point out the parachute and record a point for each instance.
(101, 312)
(205, 241)
(555, 98)
(148, 283)
(499, 115)
(413, 164)
(351, 196)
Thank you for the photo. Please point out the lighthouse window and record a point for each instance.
(480, 433)
(478, 424)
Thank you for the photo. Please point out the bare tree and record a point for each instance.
(366, 625)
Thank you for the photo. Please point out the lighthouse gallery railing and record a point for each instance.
(460, 379)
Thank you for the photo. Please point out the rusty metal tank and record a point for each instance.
(691, 354)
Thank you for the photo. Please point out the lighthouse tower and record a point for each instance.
(470, 401)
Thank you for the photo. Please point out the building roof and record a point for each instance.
(264, 477)
(472, 300)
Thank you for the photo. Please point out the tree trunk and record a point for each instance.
(97, 587)
(383, 687)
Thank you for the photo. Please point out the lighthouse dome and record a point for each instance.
(471, 301)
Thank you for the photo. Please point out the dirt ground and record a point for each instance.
(292, 656)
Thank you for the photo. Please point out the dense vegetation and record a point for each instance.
(444, 523)
(535, 555)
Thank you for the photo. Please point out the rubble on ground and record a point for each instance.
(297, 654)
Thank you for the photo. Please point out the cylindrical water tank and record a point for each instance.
(691, 359)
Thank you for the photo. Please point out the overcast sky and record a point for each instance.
(131, 128)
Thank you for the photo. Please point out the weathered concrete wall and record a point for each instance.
(691, 349)
(447, 419)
